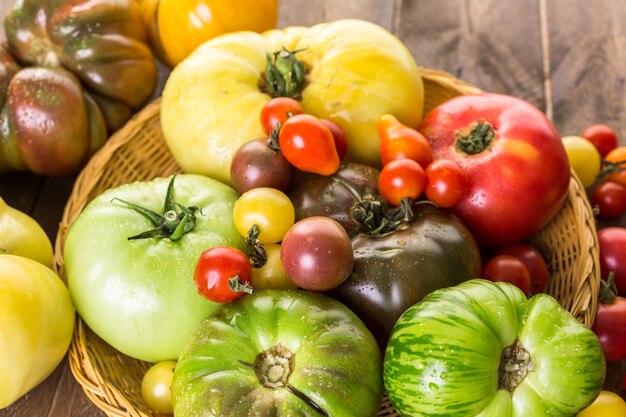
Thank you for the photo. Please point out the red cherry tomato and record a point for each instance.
(308, 144)
(398, 141)
(445, 183)
(610, 199)
(215, 269)
(341, 141)
(507, 268)
(603, 138)
(612, 248)
(278, 110)
(401, 178)
(535, 263)
(617, 157)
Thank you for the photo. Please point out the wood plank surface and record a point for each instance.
(568, 57)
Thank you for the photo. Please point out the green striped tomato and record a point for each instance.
(481, 349)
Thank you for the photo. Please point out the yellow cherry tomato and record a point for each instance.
(36, 324)
(584, 158)
(177, 27)
(268, 208)
(21, 235)
(608, 404)
(272, 274)
(155, 386)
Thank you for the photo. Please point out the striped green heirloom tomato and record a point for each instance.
(279, 353)
(481, 349)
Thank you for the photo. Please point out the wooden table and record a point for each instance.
(568, 57)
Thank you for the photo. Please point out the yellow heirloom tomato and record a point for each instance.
(177, 27)
(348, 71)
(36, 324)
(21, 235)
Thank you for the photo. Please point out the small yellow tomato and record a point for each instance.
(21, 235)
(608, 404)
(272, 274)
(268, 208)
(584, 158)
(155, 386)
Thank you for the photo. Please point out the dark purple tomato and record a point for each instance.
(256, 165)
(317, 254)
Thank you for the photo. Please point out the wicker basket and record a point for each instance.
(138, 152)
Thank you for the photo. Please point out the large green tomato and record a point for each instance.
(481, 349)
(36, 324)
(139, 295)
(279, 353)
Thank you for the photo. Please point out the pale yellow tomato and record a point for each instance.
(36, 324)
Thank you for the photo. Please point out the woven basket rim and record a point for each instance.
(111, 400)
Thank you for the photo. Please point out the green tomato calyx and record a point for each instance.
(515, 363)
(475, 138)
(608, 289)
(176, 220)
(236, 284)
(284, 74)
(257, 253)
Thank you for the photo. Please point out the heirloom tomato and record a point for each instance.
(483, 349)
(347, 71)
(36, 324)
(612, 248)
(130, 259)
(614, 168)
(21, 235)
(514, 161)
(610, 322)
(279, 353)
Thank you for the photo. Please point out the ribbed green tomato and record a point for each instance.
(139, 295)
(481, 349)
(279, 353)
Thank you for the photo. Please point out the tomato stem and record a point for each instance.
(608, 289)
(257, 253)
(610, 167)
(237, 285)
(284, 73)
(515, 362)
(475, 138)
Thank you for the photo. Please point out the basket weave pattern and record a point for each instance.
(138, 152)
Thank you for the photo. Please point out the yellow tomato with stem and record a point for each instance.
(177, 27)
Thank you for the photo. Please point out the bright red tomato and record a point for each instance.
(603, 138)
(308, 144)
(535, 263)
(613, 255)
(617, 157)
(399, 179)
(507, 268)
(610, 198)
(216, 273)
(278, 110)
(610, 324)
(398, 141)
(445, 183)
(341, 141)
(515, 162)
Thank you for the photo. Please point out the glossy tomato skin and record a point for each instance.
(276, 111)
(335, 359)
(401, 178)
(445, 355)
(395, 270)
(129, 292)
(618, 157)
(602, 136)
(612, 242)
(507, 268)
(215, 267)
(610, 326)
(520, 182)
(610, 199)
(445, 183)
(608, 404)
(535, 263)
(335, 196)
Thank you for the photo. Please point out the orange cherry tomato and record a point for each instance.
(398, 141)
(618, 158)
(278, 110)
(445, 183)
(399, 179)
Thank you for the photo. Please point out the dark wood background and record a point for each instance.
(568, 57)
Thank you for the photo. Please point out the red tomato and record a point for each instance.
(610, 326)
(401, 178)
(507, 268)
(534, 262)
(308, 144)
(613, 255)
(341, 141)
(618, 159)
(610, 199)
(398, 141)
(603, 138)
(215, 270)
(514, 160)
(278, 110)
(445, 183)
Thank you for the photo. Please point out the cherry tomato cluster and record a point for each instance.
(315, 253)
(409, 169)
